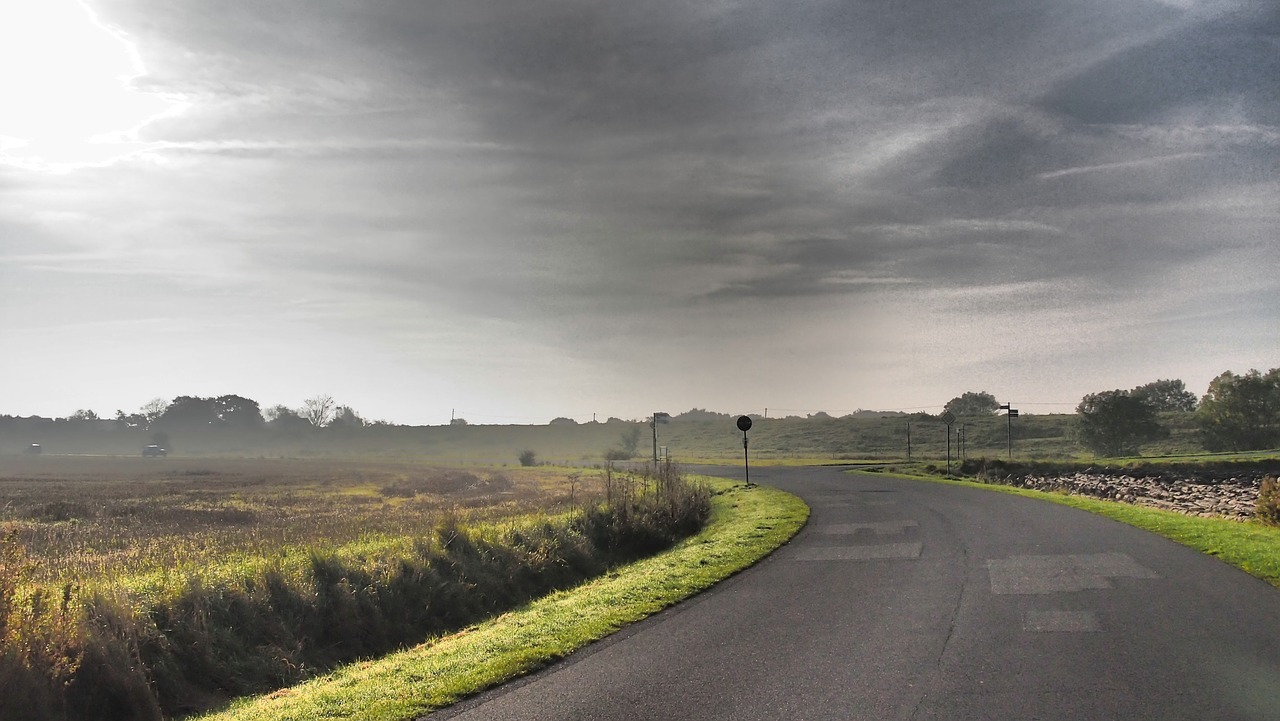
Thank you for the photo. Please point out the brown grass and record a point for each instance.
(90, 517)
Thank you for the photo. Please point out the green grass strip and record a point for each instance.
(1251, 546)
(745, 525)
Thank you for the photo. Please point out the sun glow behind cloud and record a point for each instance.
(68, 84)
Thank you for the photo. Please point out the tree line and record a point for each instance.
(232, 412)
(1239, 412)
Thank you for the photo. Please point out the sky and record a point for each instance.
(510, 212)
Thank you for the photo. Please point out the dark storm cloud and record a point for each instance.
(550, 157)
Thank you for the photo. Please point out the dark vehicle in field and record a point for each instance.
(154, 451)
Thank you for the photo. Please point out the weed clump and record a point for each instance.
(1268, 507)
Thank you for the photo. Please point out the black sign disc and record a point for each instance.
(744, 423)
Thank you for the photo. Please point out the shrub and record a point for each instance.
(644, 514)
(41, 657)
(1268, 508)
(528, 458)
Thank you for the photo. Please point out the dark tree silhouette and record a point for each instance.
(1115, 423)
(1166, 395)
(973, 403)
(1241, 412)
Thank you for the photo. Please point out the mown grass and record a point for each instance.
(1253, 547)
(745, 525)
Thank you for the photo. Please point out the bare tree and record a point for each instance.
(152, 410)
(319, 410)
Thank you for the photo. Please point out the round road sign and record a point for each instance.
(744, 423)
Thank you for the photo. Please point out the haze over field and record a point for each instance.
(542, 209)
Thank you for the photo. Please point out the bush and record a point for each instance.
(646, 513)
(1268, 508)
(528, 458)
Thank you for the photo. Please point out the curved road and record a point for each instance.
(910, 600)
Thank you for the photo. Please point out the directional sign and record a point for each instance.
(744, 423)
(1013, 413)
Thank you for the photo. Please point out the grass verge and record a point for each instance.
(746, 524)
(1250, 546)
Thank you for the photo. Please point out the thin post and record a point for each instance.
(654, 424)
(948, 450)
(908, 441)
(746, 461)
(1009, 417)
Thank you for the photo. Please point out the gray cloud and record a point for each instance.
(572, 175)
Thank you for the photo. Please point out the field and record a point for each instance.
(150, 588)
(88, 518)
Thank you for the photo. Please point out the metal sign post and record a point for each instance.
(1009, 416)
(744, 425)
(658, 417)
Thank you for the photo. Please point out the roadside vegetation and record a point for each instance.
(153, 597)
(745, 525)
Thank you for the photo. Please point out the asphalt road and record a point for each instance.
(912, 600)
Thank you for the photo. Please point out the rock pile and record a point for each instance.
(1234, 497)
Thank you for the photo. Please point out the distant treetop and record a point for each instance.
(973, 403)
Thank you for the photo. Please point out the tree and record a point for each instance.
(188, 413)
(1166, 395)
(1115, 423)
(84, 414)
(131, 420)
(319, 410)
(237, 412)
(281, 416)
(152, 410)
(346, 417)
(973, 404)
(528, 458)
(1241, 412)
(630, 441)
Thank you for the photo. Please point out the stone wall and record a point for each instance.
(1234, 497)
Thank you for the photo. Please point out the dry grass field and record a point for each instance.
(91, 517)
(136, 588)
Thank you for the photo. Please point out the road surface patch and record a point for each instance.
(834, 503)
(879, 552)
(879, 528)
(1061, 622)
(1030, 575)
